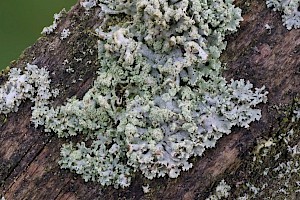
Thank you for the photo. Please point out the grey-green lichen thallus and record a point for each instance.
(159, 98)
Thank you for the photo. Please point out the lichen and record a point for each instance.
(290, 10)
(146, 188)
(33, 84)
(65, 33)
(50, 29)
(88, 4)
(159, 98)
(297, 113)
(222, 191)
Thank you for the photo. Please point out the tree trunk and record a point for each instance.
(29, 158)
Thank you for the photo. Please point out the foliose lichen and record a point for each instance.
(290, 10)
(159, 97)
(222, 191)
(88, 4)
(50, 29)
(33, 84)
(65, 33)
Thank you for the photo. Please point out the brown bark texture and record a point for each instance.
(29, 157)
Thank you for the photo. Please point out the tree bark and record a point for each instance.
(29, 158)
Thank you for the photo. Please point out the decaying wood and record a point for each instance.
(28, 157)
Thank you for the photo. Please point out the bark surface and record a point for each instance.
(28, 156)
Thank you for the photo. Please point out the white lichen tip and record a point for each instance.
(297, 113)
(221, 192)
(88, 4)
(65, 33)
(146, 188)
(50, 29)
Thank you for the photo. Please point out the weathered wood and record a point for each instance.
(28, 157)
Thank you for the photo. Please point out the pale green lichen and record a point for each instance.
(146, 188)
(88, 4)
(33, 84)
(159, 97)
(222, 191)
(50, 29)
(290, 10)
(244, 197)
(65, 33)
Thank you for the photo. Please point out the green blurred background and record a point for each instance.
(21, 23)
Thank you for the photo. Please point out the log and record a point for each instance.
(29, 157)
